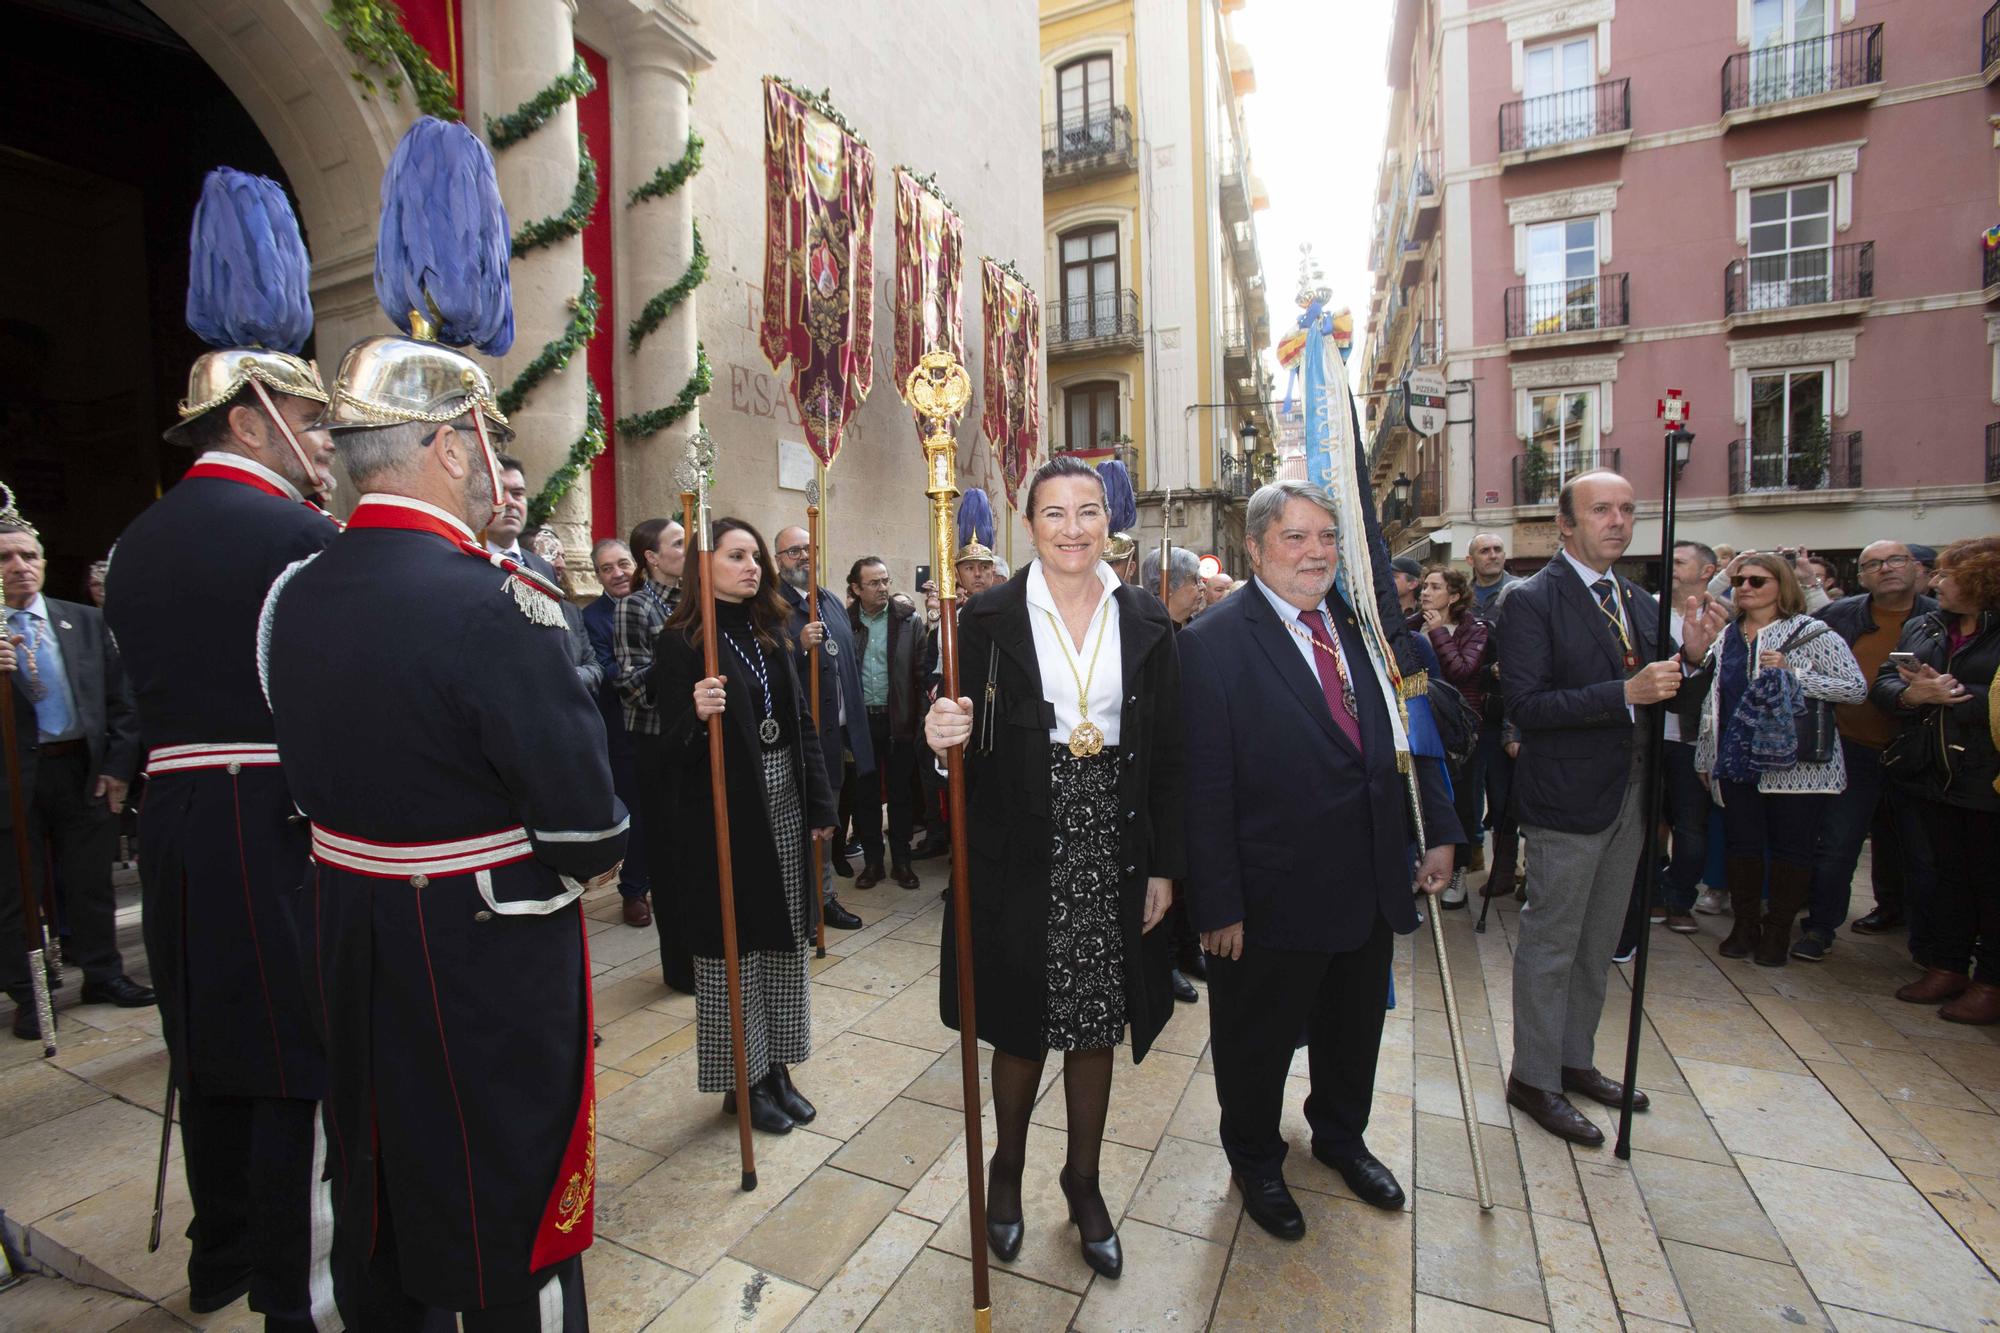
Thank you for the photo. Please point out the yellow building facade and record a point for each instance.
(1155, 318)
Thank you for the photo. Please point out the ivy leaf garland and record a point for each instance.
(503, 132)
(663, 302)
(669, 180)
(651, 423)
(373, 32)
(561, 226)
(581, 455)
(556, 353)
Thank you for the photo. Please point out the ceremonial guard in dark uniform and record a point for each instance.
(221, 860)
(453, 769)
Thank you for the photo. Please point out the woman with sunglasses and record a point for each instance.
(1943, 692)
(1770, 815)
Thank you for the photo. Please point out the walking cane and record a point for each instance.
(36, 938)
(160, 1181)
(812, 596)
(938, 388)
(694, 510)
(1466, 1098)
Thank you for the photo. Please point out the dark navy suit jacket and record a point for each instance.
(1290, 830)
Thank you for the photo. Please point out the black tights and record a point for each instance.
(1086, 1097)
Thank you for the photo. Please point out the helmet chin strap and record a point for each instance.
(306, 468)
(492, 459)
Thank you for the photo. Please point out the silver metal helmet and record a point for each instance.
(218, 376)
(387, 380)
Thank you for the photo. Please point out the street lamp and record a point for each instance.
(1683, 442)
(1246, 435)
(1399, 494)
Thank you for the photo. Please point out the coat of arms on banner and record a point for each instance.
(819, 260)
(1013, 411)
(930, 259)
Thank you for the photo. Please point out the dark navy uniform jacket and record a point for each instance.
(221, 861)
(418, 702)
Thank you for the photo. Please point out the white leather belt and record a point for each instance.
(234, 756)
(411, 860)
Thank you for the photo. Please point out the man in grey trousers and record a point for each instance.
(1579, 643)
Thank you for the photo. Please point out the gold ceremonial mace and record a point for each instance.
(938, 389)
(814, 488)
(694, 520)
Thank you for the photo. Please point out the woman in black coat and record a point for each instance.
(775, 784)
(1950, 763)
(1073, 787)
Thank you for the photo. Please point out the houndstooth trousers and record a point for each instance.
(777, 1009)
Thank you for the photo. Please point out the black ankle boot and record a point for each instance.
(765, 1113)
(1003, 1235)
(787, 1096)
(1105, 1256)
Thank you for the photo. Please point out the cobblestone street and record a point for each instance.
(1818, 1155)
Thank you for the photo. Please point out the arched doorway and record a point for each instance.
(110, 114)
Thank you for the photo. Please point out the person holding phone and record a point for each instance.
(1938, 682)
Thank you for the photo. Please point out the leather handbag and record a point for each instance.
(1817, 732)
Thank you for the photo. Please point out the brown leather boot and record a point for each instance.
(1980, 1004)
(1790, 884)
(1745, 880)
(1935, 985)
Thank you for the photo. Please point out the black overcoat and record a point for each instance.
(761, 919)
(1007, 817)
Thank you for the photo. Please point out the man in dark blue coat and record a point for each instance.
(221, 858)
(827, 632)
(454, 772)
(618, 574)
(1299, 850)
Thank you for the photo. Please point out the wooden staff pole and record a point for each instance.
(812, 602)
(35, 939)
(695, 520)
(938, 389)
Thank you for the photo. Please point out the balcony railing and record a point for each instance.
(1993, 452)
(1237, 478)
(1539, 473)
(1758, 469)
(1427, 343)
(1989, 36)
(1577, 305)
(1423, 177)
(1989, 266)
(1800, 278)
(1087, 321)
(1534, 123)
(1088, 144)
(1830, 64)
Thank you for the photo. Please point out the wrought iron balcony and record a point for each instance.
(1800, 280)
(1539, 474)
(1773, 75)
(1077, 147)
(1836, 465)
(1989, 41)
(1536, 124)
(1427, 343)
(1993, 452)
(1574, 306)
(1093, 323)
(1989, 266)
(1237, 477)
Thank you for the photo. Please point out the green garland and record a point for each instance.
(503, 132)
(373, 32)
(581, 455)
(651, 423)
(671, 177)
(555, 354)
(561, 226)
(665, 300)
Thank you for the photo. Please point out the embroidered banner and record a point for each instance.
(819, 261)
(930, 262)
(1013, 411)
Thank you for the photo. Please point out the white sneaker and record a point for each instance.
(1454, 893)
(1712, 902)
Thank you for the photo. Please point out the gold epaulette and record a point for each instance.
(1414, 685)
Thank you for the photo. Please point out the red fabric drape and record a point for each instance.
(593, 116)
(438, 26)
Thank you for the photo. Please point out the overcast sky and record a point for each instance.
(1315, 128)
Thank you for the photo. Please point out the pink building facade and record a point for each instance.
(1775, 206)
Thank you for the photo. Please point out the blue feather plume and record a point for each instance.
(248, 274)
(975, 519)
(1118, 496)
(444, 244)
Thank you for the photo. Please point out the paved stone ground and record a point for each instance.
(1818, 1156)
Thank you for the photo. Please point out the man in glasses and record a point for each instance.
(1871, 622)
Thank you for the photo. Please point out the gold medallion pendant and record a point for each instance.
(1085, 739)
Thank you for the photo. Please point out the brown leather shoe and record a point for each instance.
(1980, 1004)
(1682, 924)
(870, 876)
(1608, 1091)
(1935, 986)
(637, 913)
(1553, 1112)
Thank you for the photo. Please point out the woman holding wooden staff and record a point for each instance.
(774, 787)
(1073, 763)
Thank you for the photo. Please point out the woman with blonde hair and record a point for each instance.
(1772, 664)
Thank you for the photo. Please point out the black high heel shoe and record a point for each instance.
(1004, 1237)
(1106, 1256)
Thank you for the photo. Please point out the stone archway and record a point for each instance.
(284, 62)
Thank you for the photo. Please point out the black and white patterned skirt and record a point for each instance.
(777, 1008)
(1086, 950)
